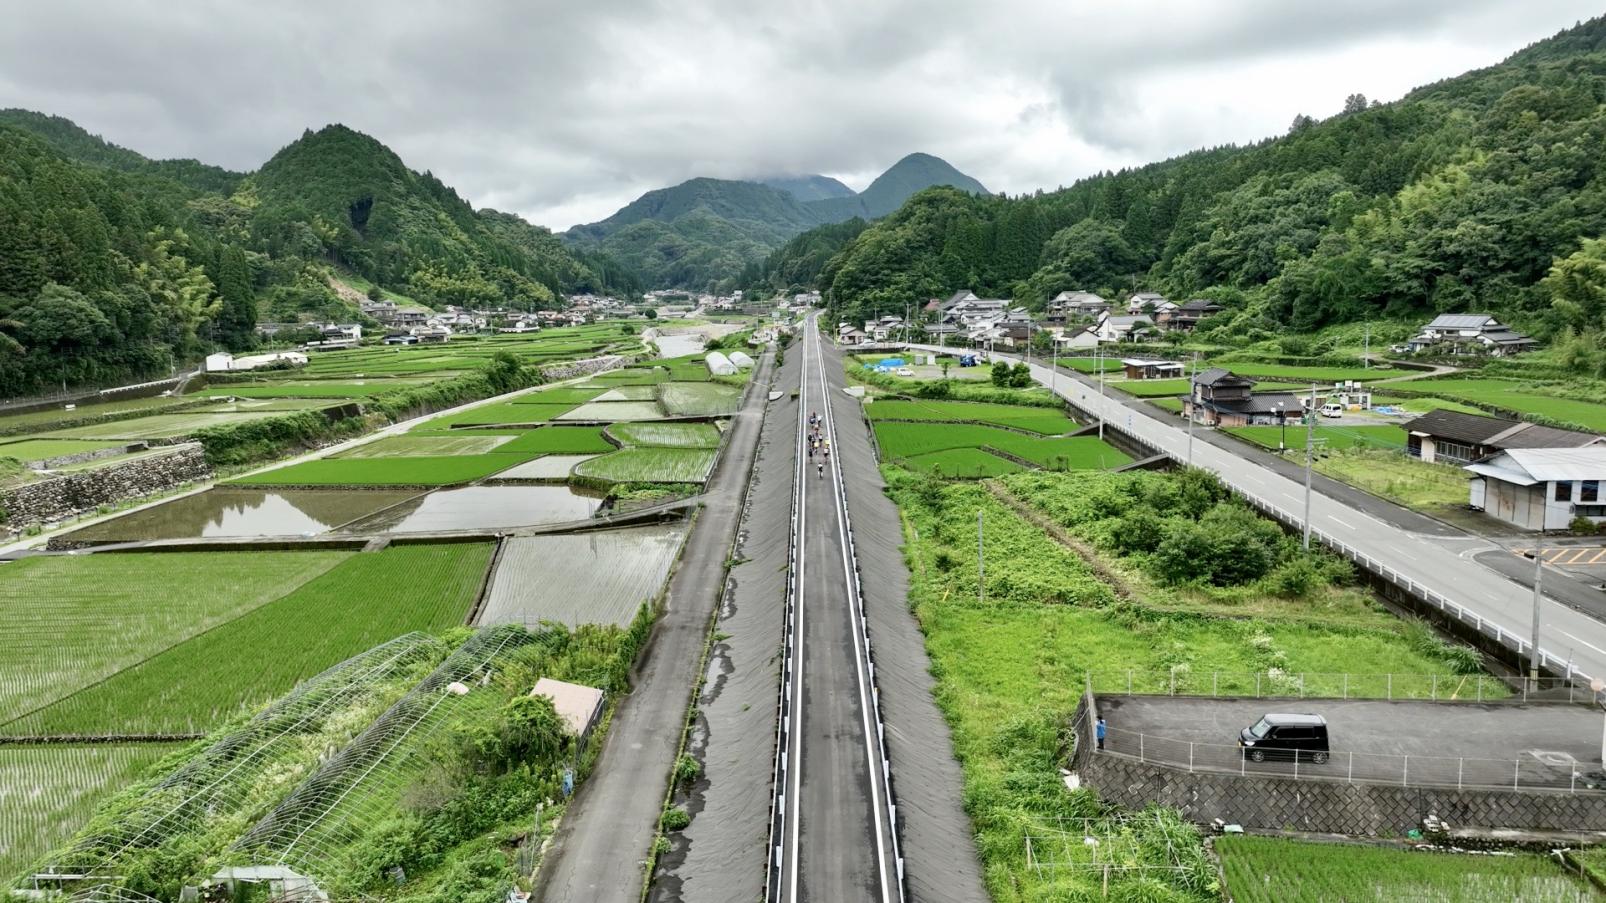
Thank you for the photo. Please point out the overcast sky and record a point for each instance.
(564, 111)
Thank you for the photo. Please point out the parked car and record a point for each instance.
(1400, 349)
(905, 371)
(1286, 736)
(1332, 410)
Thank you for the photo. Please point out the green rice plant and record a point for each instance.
(1023, 417)
(198, 683)
(54, 612)
(608, 411)
(158, 426)
(1273, 870)
(510, 413)
(1334, 438)
(562, 440)
(899, 440)
(569, 395)
(682, 399)
(47, 792)
(307, 388)
(42, 449)
(960, 462)
(461, 442)
(647, 465)
(1517, 396)
(680, 435)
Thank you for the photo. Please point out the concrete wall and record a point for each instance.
(1335, 807)
(69, 494)
(587, 367)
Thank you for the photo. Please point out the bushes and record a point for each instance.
(271, 437)
(1230, 545)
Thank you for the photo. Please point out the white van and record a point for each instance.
(1332, 410)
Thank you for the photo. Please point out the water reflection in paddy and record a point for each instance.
(220, 513)
(482, 508)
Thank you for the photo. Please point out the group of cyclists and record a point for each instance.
(818, 444)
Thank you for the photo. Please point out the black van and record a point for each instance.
(1286, 737)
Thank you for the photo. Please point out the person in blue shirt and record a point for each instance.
(1098, 732)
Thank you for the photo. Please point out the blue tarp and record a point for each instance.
(891, 363)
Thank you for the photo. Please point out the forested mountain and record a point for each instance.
(116, 267)
(712, 233)
(810, 188)
(1460, 196)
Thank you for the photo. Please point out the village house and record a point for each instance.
(1139, 368)
(1459, 438)
(1152, 303)
(1540, 488)
(223, 362)
(1219, 397)
(1084, 338)
(1067, 306)
(1469, 334)
(1128, 328)
(1188, 314)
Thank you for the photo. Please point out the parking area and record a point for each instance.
(1583, 558)
(1419, 743)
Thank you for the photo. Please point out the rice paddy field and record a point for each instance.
(680, 435)
(612, 411)
(650, 465)
(710, 399)
(387, 471)
(426, 446)
(1273, 870)
(1043, 420)
(55, 612)
(156, 426)
(308, 388)
(1331, 437)
(551, 468)
(191, 686)
(900, 440)
(584, 578)
(1516, 396)
(59, 417)
(49, 791)
(967, 463)
(226, 512)
(42, 449)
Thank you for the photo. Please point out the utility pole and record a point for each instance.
(1191, 411)
(1101, 391)
(1310, 445)
(981, 562)
(1366, 349)
(1054, 375)
(1533, 654)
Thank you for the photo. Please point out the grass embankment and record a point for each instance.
(1333, 438)
(1199, 585)
(1021, 417)
(197, 683)
(1272, 870)
(949, 447)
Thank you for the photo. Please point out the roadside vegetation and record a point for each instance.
(1159, 573)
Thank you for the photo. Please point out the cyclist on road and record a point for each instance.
(819, 468)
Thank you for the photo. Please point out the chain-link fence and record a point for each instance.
(1538, 770)
(1275, 683)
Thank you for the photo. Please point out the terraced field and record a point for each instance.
(592, 578)
(650, 465)
(42, 449)
(961, 462)
(156, 426)
(680, 435)
(364, 600)
(388, 471)
(682, 399)
(1047, 421)
(1516, 396)
(426, 446)
(54, 611)
(612, 411)
(910, 440)
(309, 388)
(1331, 437)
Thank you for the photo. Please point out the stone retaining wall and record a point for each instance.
(556, 372)
(1333, 807)
(70, 494)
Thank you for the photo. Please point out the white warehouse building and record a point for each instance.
(1541, 488)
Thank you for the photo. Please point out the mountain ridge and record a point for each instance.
(710, 232)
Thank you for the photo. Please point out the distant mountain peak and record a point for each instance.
(809, 187)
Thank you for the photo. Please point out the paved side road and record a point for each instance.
(599, 852)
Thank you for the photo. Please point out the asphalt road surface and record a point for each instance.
(1443, 743)
(1398, 539)
(836, 839)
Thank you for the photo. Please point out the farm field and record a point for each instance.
(972, 463)
(650, 465)
(569, 440)
(364, 600)
(47, 792)
(1048, 421)
(54, 611)
(28, 450)
(1515, 396)
(1010, 671)
(1296, 373)
(391, 471)
(223, 512)
(709, 399)
(628, 393)
(156, 426)
(681, 435)
(308, 388)
(508, 413)
(1162, 388)
(555, 468)
(609, 411)
(587, 578)
(1399, 478)
(411, 446)
(902, 439)
(1273, 870)
(58, 417)
(569, 395)
(1332, 438)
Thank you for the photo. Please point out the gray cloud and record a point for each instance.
(563, 111)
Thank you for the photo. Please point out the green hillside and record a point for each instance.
(710, 233)
(1461, 196)
(114, 267)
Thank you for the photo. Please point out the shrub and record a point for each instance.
(1582, 525)
(686, 770)
(674, 819)
(1002, 375)
(1297, 578)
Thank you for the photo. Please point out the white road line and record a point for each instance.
(795, 756)
(866, 703)
(1343, 523)
(1585, 642)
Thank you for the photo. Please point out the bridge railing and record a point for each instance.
(1537, 770)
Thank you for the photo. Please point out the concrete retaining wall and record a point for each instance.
(555, 372)
(70, 494)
